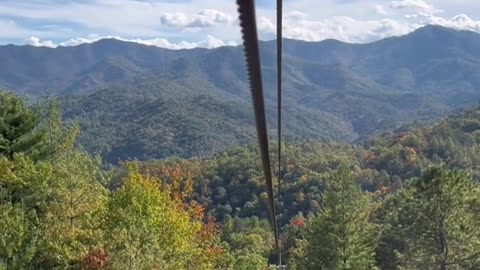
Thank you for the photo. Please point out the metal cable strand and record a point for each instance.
(246, 9)
(279, 104)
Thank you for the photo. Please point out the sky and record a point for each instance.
(178, 24)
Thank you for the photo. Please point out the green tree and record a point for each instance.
(57, 206)
(250, 250)
(59, 137)
(146, 229)
(341, 236)
(17, 237)
(18, 126)
(250, 241)
(38, 131)
(71, 217)
(437, 222)
(23, 192)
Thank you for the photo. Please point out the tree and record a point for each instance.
(23, 191)
(146, 228)
(341, 236)
(71, 217)
(59, 137)
(250, 241)
(437, 222)
(38, 131)
(54, 205)
(17, 237)
(18, 126)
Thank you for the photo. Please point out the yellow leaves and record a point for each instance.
(146, 218)
(153, 222)
(304, 178)
(7, 177)
(300, 197)
(64, 199)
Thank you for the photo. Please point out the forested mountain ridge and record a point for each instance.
(145, 122)
(333, 90)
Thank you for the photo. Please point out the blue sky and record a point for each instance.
(212, 23)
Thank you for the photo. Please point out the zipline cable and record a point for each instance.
(246, 9)
(279, 106)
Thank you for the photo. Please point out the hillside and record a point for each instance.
(231, 182)
(136, 101)
(166, 119)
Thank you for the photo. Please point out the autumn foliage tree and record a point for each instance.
(148, 227)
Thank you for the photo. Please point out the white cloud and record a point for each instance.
(204, 18)
(265, 25)
(380, 10)
(35, 41)
(393, 22)
(361, 31)
(123, 17)
(80, 40)
(209, 42)
(459, 22)
(418, 5)
(175, 19)
(343, 28)
(295, 15)
(211, 23)
(210, 17)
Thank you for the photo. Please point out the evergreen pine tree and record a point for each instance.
(437, 221)
(18, 124)
(342, 235)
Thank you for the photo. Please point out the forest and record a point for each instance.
(405, 199)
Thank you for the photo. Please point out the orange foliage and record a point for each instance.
(174, 179)
(369, 156)
(196, 210)
(209, 230)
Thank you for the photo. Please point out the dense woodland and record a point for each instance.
(406, 199)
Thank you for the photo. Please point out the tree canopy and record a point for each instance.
(406, 199)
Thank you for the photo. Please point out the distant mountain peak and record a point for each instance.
(435, 28)
(113, 41)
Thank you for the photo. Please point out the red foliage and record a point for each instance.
(96, 259)
(209, 230)
(298, 222)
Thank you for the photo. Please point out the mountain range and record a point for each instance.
(137, 101)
